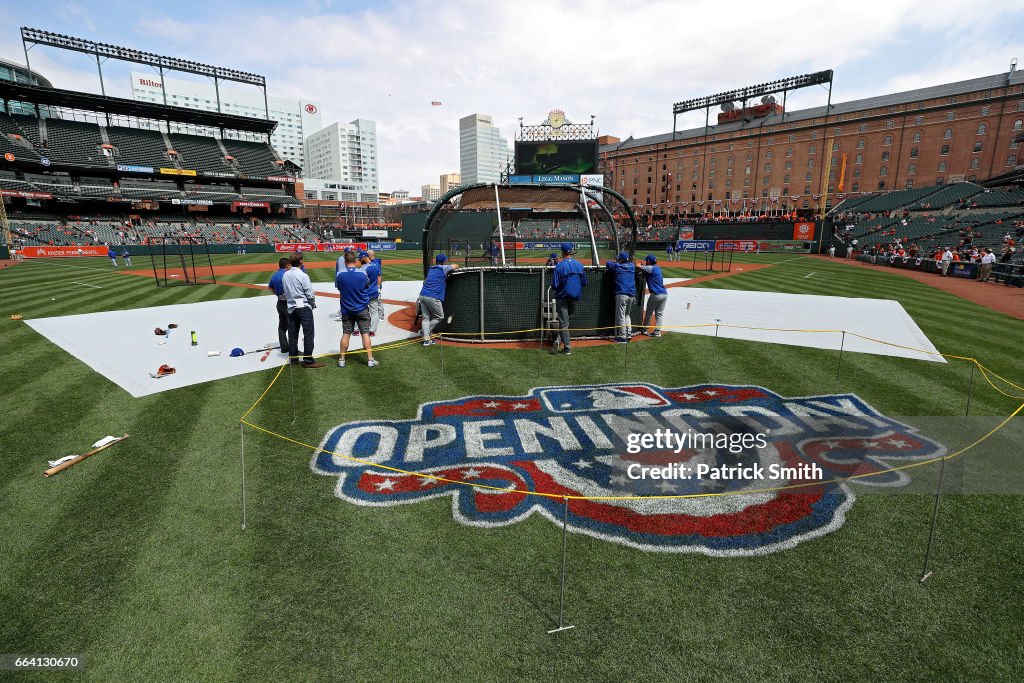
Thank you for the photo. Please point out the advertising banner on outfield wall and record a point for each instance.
(696, 245)
(803, 231)
(62, 252)
(287, 247)
(736, 245)
(382, 246)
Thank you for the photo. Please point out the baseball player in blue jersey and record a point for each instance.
(625, 291)
(658, 295)
(567, 286)
(353, 284)
(431, 299)
(372, 269)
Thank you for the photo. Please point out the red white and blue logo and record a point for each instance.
(495, 452)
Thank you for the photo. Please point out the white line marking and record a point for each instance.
(76, 282)
(810, 274)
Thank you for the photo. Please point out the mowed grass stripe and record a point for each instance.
(203, 611)
(124, 500)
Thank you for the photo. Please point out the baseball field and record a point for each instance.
(135, 559)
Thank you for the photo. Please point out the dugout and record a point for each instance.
(511, 299)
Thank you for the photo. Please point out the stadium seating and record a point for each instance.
(57, 183)
(29, 125)
(253, 158)
(199, 153)
(75, 142)
(13, 140)
(948, 195)
(894, 200)
(138, 146)
(998, 198)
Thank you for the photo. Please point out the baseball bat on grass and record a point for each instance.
(70, 463)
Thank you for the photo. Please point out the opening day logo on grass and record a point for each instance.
(715, 469)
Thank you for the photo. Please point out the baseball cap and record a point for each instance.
(440, 258)
(553, 255)
(236, 352)
(623, 256)
(363, 254)
(567, 247)
(651, 259)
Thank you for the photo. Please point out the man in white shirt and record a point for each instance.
(986, 266)
(298, 291)
(947, 259)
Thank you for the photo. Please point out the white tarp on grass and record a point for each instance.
(121, 345)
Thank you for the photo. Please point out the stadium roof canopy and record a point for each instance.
(71, 99)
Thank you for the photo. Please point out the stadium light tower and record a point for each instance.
(30, 37)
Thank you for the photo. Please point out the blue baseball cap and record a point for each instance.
(363, 254)
(651, 259)
(236, 352)
(623, 256)
(440, 258)
(567, 247)
(553, 255)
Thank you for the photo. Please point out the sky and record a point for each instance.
(624, 61)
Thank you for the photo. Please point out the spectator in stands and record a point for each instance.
(567, 285)
(277, 286)
(624, 291)
(301, 301)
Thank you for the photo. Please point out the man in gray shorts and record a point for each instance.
(354, 286)
(431, 299)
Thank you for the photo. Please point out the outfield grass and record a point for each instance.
(135, 559)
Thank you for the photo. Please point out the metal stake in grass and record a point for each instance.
(970, 392)
(241, 427)
(561, 595)
(444, 380)
(839, 365)
(925, 573)
(714, 350)
(291, 381)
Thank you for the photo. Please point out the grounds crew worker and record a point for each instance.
(301, 299)
(277, 286)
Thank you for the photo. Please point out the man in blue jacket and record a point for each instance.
(354, 286)
(625, 291)
(657, 294)
(276, 285)
(567, 286)
(431, 299)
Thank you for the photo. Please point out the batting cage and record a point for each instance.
(181, 261)
(504, 235)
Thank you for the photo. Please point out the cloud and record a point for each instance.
(626, 61)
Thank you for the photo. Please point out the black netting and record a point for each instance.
(513, 301)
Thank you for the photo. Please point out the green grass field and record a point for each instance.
(135, 558)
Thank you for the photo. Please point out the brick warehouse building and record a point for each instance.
(930, 136)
